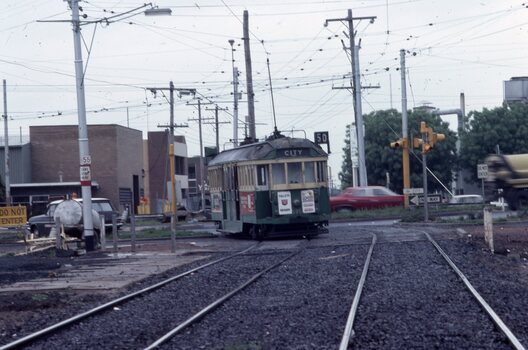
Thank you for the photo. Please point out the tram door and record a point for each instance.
(233, 209)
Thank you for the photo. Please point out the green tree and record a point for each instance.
(383, 127)
(345, 175)
(505, 127)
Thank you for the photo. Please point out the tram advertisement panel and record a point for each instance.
(247, 203)
(284, 199)
(308, 202)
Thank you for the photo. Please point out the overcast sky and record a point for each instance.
(454, 46)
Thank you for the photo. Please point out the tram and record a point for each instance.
(275, 187)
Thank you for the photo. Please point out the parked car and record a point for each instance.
(368, 197)
(466, 199)
(40, 225)
(181, 214)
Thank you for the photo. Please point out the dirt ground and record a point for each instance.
(508, 239)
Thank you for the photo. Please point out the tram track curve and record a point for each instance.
(28, 339)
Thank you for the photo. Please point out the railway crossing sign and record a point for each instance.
(432, 198)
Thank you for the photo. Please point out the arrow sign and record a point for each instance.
(432, 198)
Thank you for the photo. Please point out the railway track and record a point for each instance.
(368, 339)
(33, 337)
(299, 303)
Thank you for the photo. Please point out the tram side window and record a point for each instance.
(279, 176)
(321, 171)
(262, 175)
(294, 173)
(309, 172)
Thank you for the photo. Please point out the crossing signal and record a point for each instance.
(399, 143)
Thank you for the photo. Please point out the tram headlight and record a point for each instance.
(296, 203)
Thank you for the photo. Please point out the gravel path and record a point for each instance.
(412, 300)
(301, 305)
(501, 280)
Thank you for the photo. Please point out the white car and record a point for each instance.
(467, 199)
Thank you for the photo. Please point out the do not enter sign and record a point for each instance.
(12, 216)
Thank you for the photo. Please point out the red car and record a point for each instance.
(369, 197)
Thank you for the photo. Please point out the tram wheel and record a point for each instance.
(257, 232)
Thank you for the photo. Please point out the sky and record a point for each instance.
(452, 46)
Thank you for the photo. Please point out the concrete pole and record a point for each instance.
(235, 108)
(405, 130)
(217, 130)
(6, 152)
(84, 153)
(357, 100)
(249, 79)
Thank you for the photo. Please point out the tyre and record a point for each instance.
(344, 210)
(35, 231)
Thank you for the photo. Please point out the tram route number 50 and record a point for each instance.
(321, 138)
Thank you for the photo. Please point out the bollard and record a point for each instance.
(114, 231)
(488, 228)
(133, 232)
(103, 232)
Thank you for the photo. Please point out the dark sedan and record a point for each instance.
(41, 225)
(369, 197)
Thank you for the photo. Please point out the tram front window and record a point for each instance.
(309, 173)
(279, 176)
(294, 173)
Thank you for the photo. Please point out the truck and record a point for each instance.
(508, 178)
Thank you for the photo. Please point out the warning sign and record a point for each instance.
(13, 216)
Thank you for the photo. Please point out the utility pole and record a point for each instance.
(84, 152)
(6, 152)
(405, 131)
(216, 124)
(202, 163)
(235, 95)
(249, 79)
(356, 81)
(170, 152)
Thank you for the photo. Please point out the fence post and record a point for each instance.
(488, 228)
(133, 231)
(102, 232)
(114, 231)
(58, 244)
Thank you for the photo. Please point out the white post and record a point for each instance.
(488, 228)
(103, 232)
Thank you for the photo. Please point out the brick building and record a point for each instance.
(117, 162)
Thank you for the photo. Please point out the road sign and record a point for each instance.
(432, 198)
(13, 216)
(322, 138)
(413, 191)
(482, 171)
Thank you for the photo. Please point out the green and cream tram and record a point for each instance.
(275, 187)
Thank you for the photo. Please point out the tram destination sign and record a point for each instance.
(12, 216)
(293, 152)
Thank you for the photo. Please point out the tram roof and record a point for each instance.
(269, 149)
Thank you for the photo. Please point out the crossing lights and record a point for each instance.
(399, 143)
(429, 138)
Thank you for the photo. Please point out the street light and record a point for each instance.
(84, 153)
